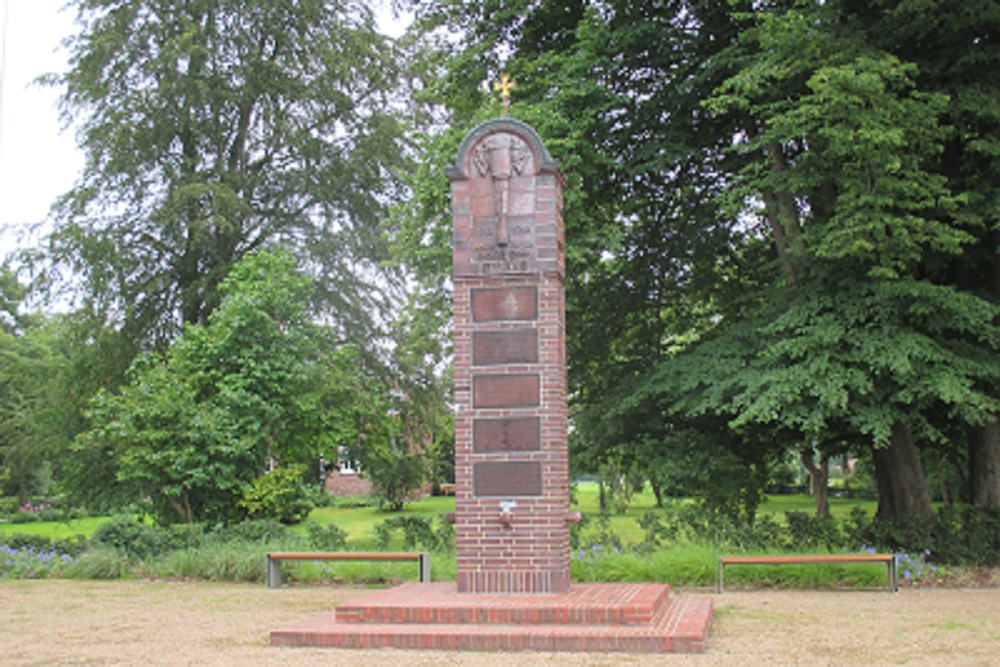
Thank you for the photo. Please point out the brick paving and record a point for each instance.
(632, 618)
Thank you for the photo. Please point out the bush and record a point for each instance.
(967, 535)
(418, 531)
(71, 546)
(263, 530)
(236, 561)
(326, 538)
(808, 531)
(100, 563)
(133, 538)
(280, 494)
(27, 562)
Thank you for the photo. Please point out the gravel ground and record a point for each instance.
(59, 622)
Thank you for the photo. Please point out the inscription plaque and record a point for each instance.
(511, 346)
(505, 391)
(506, 303)
(507, 478)
(515, 434)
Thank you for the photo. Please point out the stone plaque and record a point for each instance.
(505, 391)
(507, 478)
(518, 247)
(514, 434)
(506, 303)
(510, 346)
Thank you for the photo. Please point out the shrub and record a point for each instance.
(237, 561)
(598, 532)
(72, 546)
(809, 531)
(186, 535)
(262, 530)
(27, 562)
(967, 535)
(280, 494)
(133, 538)
(100, 563)
(326, 538)
(417, 531)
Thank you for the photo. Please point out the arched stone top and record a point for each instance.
(541, 160)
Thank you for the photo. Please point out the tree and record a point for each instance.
(214, 128)
(787, 217)
(252, 389)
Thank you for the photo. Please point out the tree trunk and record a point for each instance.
(902, 488)
(819, 476)
(984, 441)
(984, 464)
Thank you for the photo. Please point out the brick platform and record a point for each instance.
(629, 618)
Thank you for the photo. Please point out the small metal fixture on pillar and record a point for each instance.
(511, 448)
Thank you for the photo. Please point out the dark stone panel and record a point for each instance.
(511, 346)
(505, 391)
(507, 478)
(514, 434)
(507, 303)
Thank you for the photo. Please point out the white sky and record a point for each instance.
(39, 160)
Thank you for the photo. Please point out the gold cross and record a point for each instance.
(504, 85)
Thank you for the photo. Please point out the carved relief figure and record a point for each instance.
(501, 157)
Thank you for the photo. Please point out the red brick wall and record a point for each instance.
(340, 484)
(511, 415)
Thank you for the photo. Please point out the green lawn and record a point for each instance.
(359, 522)
(56, 530)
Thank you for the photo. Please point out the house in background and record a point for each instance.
(342, 479)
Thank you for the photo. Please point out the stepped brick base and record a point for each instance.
(629, 618)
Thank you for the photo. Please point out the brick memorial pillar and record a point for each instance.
(511, 456)
(511, 462)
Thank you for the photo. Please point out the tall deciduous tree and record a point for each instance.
(213, 128)
(193, 430)
(800, 202)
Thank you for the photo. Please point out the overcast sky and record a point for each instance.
(39, 160)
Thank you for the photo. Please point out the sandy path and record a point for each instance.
(61, 622)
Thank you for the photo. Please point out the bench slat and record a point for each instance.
(273, 572)
(353, 555)
(809, 559)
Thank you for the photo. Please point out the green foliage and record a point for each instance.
(102, 564)
(396, 468)
(418, 532)
(131, 537)
(279, 494)
(215, 129)
(963, 535)
(229, 561)
(258, 532)
(785, 235)
(326, 537)
(195, 428)
(811, 532)
(31, 366)
(72, 546)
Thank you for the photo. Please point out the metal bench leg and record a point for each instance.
(893, 576)
(273, 575)
(718, 577)
(425, 567)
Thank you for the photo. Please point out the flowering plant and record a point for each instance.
(30, 563)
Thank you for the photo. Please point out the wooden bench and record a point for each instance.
(809, 559)
(273, 575)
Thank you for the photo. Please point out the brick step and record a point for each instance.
(586, 604)
(680, 625)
